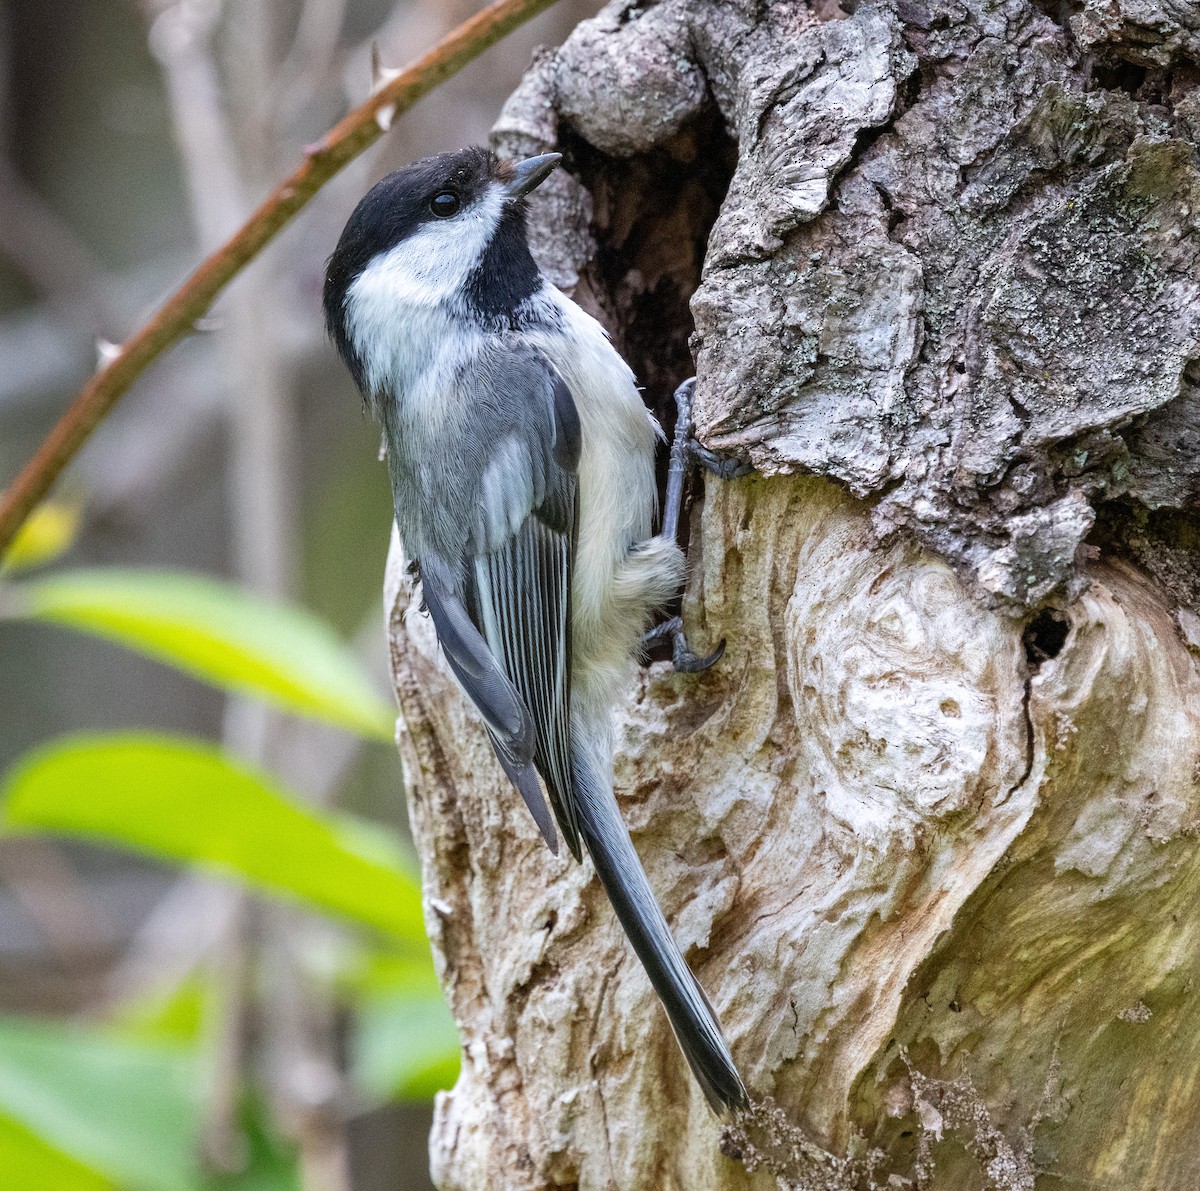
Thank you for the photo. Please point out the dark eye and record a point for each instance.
(444, 204)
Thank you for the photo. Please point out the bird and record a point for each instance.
(521, 459)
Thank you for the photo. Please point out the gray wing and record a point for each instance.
(504, 713)
(516, 579)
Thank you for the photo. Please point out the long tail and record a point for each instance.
(693, 1019)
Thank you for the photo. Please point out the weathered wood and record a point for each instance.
(928, 832)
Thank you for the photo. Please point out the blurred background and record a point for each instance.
(161, 1028)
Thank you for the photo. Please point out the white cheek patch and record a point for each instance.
(431, 265)
(398, 310)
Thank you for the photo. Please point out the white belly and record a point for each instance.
(617, 490)
(621, 572)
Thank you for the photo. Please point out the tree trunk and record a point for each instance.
(928, 832)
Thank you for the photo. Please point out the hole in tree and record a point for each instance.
(1060, 11)
(652, 216)
(1045, 635)
(1119, 75)
(653, 213)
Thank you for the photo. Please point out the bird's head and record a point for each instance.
(445, 231)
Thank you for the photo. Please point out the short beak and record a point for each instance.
(531, 172)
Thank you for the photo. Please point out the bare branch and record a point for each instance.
(174, 319)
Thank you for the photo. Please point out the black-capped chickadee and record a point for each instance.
(522, 468)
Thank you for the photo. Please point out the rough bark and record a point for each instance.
(928, 832)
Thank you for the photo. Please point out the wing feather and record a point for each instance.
(505, 714)
(522, 590)
(498, 568)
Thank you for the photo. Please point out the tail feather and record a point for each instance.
(692, 1017)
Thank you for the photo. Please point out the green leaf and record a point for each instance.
(271, 1162)
(28, 1163)
(120, 1109)
(219, 633)
(184, 801)
(48, 532)
(175, 1014)
(385, 973)
(403, 1043)
(405, 1046)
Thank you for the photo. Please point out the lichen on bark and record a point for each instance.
(927, 831)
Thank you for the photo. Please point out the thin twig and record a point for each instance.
(174, 319)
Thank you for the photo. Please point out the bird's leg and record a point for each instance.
(684, 449)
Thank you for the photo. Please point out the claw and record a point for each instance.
(687, 662)
(722, 466)
(682, 657)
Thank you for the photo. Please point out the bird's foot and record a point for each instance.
(723, 466)
(685, 449)
(682, 657)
